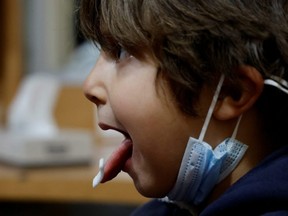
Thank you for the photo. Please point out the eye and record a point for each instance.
(122, 54)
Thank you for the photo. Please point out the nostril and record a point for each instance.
(90, 97)
(94, 99)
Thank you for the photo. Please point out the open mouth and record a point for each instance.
(120, 159)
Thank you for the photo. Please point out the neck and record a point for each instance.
(251, 134)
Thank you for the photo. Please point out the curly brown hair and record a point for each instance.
(193, 41)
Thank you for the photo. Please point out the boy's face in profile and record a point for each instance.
(128, 101)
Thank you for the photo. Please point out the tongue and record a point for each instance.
(117, 160)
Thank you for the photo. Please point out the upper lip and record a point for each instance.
(104, 126)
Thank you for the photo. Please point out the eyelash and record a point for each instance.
(122, 54)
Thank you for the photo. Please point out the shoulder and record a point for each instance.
(262, 191)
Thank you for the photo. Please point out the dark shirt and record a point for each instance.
(262, 191)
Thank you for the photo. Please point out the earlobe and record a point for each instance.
(251, 86)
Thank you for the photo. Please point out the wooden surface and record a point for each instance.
(66, 184)
(72, 109)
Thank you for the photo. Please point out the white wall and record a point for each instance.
(49, 33)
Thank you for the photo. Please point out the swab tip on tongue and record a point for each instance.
(98, 178)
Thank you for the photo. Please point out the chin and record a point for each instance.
(150, 190)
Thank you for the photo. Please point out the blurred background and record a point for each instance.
(49, 143)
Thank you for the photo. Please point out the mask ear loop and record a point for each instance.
(210, 112)
(211, 108)
(277, 82)
(234, 134)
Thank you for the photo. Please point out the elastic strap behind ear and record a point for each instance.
(236, 127)
(211, 108)
(277, 82)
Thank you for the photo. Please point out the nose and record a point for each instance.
(94, 86)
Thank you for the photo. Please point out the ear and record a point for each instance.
(251, 87)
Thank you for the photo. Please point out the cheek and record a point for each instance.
(156, 160)
(159, 139)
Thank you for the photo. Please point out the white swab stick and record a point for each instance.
(98, 178)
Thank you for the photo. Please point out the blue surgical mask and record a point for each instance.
(202, 167)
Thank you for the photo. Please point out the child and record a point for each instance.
(198, 89)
